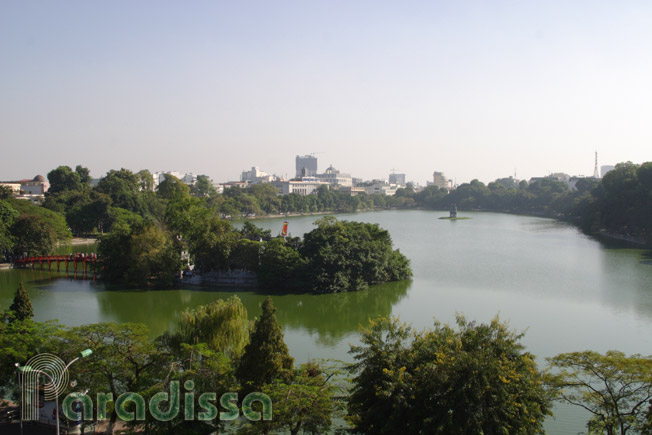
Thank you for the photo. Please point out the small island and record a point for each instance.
(453, 214)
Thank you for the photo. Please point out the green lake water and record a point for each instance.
(566, 291)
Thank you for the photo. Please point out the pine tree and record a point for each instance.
(266, 357)
(22, 305)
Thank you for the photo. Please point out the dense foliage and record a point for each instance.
(125, 359)
(476, 379)
(21, 308)
(266, 357)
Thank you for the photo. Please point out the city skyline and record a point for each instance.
(470, 89)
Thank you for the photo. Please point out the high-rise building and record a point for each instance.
(439, 180)
(606, 168)
(397, 179)
(306, 166)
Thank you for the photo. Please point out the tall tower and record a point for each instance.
(596, 174)
(306, 166)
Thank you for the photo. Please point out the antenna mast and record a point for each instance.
(596, 174)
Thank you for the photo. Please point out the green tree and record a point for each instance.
(306, 404)
(8, 216)
(476, 379)
(84, 175)
(19, 341)
(252, 232)
(281, 267)
(203, 187)
(153, 258)
(204, 368)
(21, 308)
(146, 180)
(124, 359)
(139, 255)
(123, 187)
(6, 192)
(172, 187)
(222, 325)
(266, 357)
(614, 388)
(347, 256)
(64, 178)
(33, 235)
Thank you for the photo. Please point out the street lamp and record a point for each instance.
(25, 369)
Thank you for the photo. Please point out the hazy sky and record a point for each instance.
(475, 89)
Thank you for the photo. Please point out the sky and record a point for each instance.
(474, 89)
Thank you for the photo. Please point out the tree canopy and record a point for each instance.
(476, 379)
(616, 389)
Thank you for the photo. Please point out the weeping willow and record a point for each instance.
(222, 324)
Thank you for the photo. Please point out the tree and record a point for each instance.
(33, 235)
(6, 192)
(138, 254)
(222, 325)
(266, 357)
(8, 216)
(146, 180)
(172, 187)
(348, 256)
(84, 175)
(306, 403)
(19, 341)
(63, 179)
(281, 267)
(124, 359)
(22, 308)
(476, 379)
(615, 388)
(153, 258)
(203, 187)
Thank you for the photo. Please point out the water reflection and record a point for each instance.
(330, 317)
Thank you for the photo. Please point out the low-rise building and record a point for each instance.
(303, 187)
(13, 186)
(381, 188)
(256, 176)
(188, 178)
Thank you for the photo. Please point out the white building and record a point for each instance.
(381, 188)
(256, 176)
(304, 187)
(335, 178)
(188, 178)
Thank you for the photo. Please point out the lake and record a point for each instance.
(566, 291)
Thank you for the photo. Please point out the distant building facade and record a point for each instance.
(256, 176)
(306, 166)
(335, 178)
(304, 187)
(188, 178)
(397, 179)
(29, 188)
(13, 186)
(439, 180)
(606, 169)
(381, 188)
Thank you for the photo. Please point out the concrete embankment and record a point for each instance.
(230, 278)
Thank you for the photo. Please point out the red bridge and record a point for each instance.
(83, 261)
